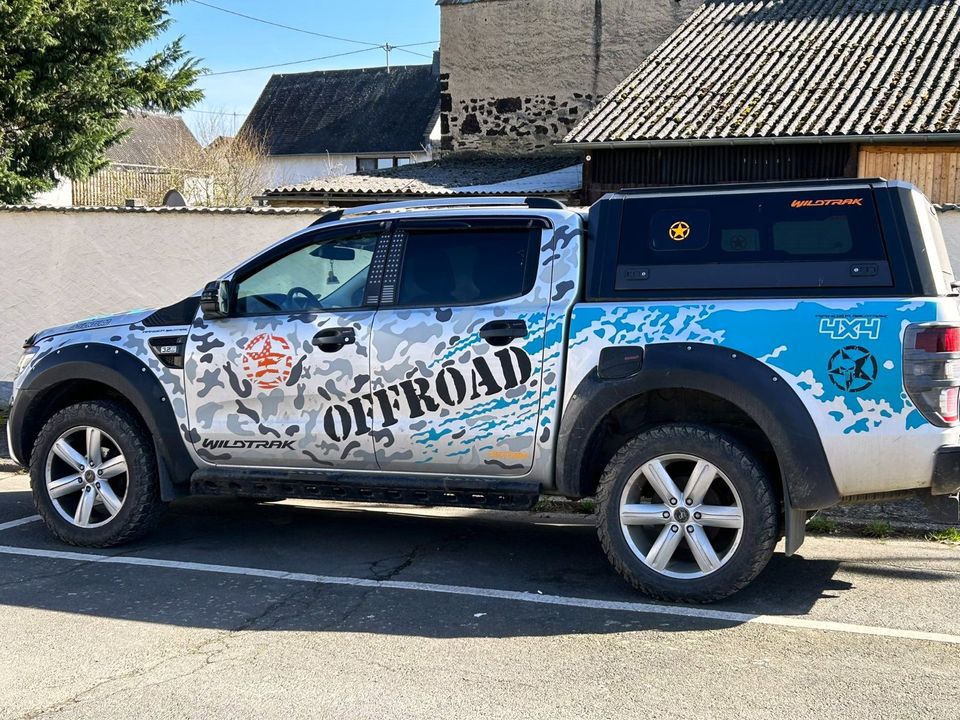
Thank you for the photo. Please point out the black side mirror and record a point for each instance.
(215, 299)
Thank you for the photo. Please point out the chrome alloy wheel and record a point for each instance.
(681, 516)
(86, 477)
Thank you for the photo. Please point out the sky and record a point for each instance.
(226, 42)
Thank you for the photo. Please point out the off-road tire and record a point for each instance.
(759, 502)
(142, 507)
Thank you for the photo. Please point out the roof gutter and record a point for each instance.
(784, 140)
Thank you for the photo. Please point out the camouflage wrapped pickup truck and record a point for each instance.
(714, 364)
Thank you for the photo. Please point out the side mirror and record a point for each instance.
(215, 299)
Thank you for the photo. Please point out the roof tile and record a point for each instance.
(792, 68)
(347, 111)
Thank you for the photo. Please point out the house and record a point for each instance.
(514, 77)
(773, 90)
(141, 164)
(556, 176)
(332, 122)
(518, 75)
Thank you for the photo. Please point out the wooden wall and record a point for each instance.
(935, 169)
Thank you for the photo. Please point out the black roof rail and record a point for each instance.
(328, 217)
(765, 185)
(533, 202)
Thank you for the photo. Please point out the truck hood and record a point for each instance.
(94, 323)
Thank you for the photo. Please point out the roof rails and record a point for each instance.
(769, 184)
(539, 203)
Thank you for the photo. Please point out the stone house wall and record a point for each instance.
(517, 75)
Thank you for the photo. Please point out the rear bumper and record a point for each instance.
(946, 471)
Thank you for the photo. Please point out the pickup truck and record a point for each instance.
(714, 364)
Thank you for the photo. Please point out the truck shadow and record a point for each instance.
(541, 555)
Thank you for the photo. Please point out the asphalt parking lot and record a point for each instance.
(320, 610)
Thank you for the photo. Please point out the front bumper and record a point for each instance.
(946, 471)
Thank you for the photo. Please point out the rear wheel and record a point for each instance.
(687, 514)
(94, 475)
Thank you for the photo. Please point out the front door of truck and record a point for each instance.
(284, 381)
(457, 348)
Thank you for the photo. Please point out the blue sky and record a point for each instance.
(226, 42)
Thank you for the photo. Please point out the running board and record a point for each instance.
(440, 490)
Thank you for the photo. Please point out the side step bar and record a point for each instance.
(439, 490)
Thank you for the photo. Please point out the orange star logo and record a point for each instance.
(679, 231)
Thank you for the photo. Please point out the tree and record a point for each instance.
(66, 81)
(223, 171)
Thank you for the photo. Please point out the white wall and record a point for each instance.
(285, 170)
(950, 222)
(61, 195)
(65, 265)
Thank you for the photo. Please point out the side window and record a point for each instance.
(783, 239)
(771, 227)
(326, 275)
(470, 266)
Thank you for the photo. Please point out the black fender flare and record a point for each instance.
(733, 376)
(132, 379)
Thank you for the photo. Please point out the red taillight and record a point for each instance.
(948, 404)
(938, 339)
(931, 371)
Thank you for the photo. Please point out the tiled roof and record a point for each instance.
(455, 175)
(741, 69)
(347, 111)
(155, 139)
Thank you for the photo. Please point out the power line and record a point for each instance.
(412, 52)
(286, 27)
(292, 62)
(215, 112)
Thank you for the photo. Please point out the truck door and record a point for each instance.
(457, 348)
(284, 381)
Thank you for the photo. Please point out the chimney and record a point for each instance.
(436, 63)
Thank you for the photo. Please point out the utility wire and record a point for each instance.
(412, 52)
(214, 112)
(286, 27)
(292, 62)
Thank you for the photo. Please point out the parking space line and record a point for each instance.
(18, 523)
(490, 593)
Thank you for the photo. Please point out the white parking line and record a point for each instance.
(489, 593)
(18, 523)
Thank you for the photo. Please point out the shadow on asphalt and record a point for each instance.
(543, 555)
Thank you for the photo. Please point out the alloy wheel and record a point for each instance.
(86, 477)
(681, 516)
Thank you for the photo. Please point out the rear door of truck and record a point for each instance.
(458, 346)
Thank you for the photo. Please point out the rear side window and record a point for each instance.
(467, 266)
(752, 240)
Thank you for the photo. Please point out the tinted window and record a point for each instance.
(467, 266)
(327, 275)
(770, 227)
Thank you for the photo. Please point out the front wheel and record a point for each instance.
(686, 514)
(93, 473)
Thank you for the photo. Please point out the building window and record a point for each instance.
(369, 164)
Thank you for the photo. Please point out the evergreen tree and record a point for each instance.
(66, 80)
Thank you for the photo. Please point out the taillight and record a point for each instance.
(931, 371)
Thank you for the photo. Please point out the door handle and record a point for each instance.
(332, 339)
(503, 332)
